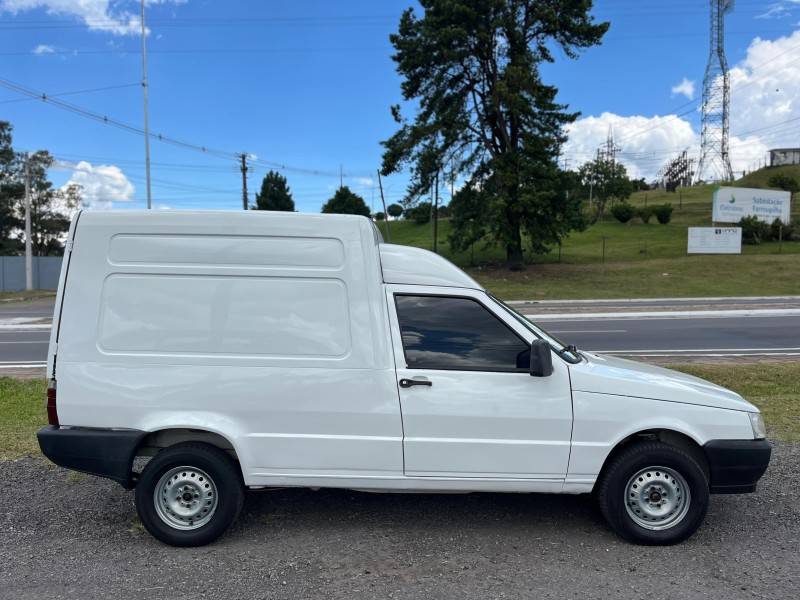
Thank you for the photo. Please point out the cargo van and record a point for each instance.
(195, 355)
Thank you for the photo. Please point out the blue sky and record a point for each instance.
(308, 84)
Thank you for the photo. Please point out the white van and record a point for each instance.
(258, 350)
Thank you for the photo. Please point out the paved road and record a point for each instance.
(686, 336)
(64, 536)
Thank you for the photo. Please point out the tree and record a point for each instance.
(473, 69)
(346, 202)
(608, 180)
(50, 208)
(395, 211)
(379, 216)
(10, 190)
(467, 218)
(274, 194)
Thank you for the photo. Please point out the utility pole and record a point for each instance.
(243, 157)
(436, 215)
(341, 176)
(28, 250)
(146, 111)
(383, 202)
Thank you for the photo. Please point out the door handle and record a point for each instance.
(407, 383)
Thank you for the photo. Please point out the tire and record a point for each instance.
(189, 494)
(654, 494)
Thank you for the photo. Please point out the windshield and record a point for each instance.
(556, 343)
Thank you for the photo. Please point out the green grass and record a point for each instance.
(614, 260)
(773, 387)
(687, 276)
(23, 295)
(22, 413)
(760, 178)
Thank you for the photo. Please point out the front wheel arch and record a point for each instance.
(666, 436)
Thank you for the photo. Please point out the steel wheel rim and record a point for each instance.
(657, 498)
(185, 498)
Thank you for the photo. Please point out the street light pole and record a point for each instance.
(146, 115)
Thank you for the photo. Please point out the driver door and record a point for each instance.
(469, 404)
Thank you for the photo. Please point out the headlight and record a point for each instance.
(757, 423)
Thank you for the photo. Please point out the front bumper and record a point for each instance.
(103, 452)
(736, 465)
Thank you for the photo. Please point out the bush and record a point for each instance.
(644, 213)
(784, 182)
(420, 214)
(754, 231)
(623, 212)
(379, 216)
(789, 230)
(663, 213)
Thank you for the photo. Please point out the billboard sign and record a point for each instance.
(731, 204)
(715, 240)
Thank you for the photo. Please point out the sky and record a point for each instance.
(305, 86)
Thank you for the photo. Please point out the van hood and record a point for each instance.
(602, 374)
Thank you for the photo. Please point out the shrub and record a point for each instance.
(788, 230)
(623, 212)
(784, 182)
(644, 213)
(420, 214)
(754, 231)
(663, 213)
(379, 216)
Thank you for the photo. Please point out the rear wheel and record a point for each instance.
(189, 494)
(654, 493)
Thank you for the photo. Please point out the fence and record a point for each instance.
(45, 273)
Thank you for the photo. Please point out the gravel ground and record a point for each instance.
(64, 535)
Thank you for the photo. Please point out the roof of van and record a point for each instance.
(415, 266)
(400, 264)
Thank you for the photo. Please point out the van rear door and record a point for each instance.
(52, 349)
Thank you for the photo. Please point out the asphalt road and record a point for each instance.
(688, 336)
(66, 536)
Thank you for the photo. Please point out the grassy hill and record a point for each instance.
(614, 260)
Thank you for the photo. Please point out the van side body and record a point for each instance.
(290, 342)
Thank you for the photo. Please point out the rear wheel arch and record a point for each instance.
(156, 441)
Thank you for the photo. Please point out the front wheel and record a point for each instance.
(189, 494)
(654, 493)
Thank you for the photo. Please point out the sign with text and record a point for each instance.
(715, 240)
(731, 204)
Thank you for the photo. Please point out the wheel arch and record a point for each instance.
(155, 441)
(665, 435)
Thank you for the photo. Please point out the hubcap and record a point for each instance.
(657, 498)
(185, 498)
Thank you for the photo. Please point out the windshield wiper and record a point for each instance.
(569, 348)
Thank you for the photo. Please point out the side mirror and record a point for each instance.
(541, 358)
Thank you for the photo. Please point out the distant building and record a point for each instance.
(784, 156)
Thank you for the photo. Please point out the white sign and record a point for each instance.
(715, 240)
(731, 204)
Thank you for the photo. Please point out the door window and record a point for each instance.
(444, 332)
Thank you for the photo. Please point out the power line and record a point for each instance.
(72, 93)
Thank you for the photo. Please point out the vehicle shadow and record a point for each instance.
(328, 509)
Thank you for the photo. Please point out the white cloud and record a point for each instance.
(101, 185)
(362, 181)
(781, 8)
(765, 113)
(643, 140)
(98, 15)
(43, 49)
(685, 87)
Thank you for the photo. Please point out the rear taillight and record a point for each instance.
(52, 413)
